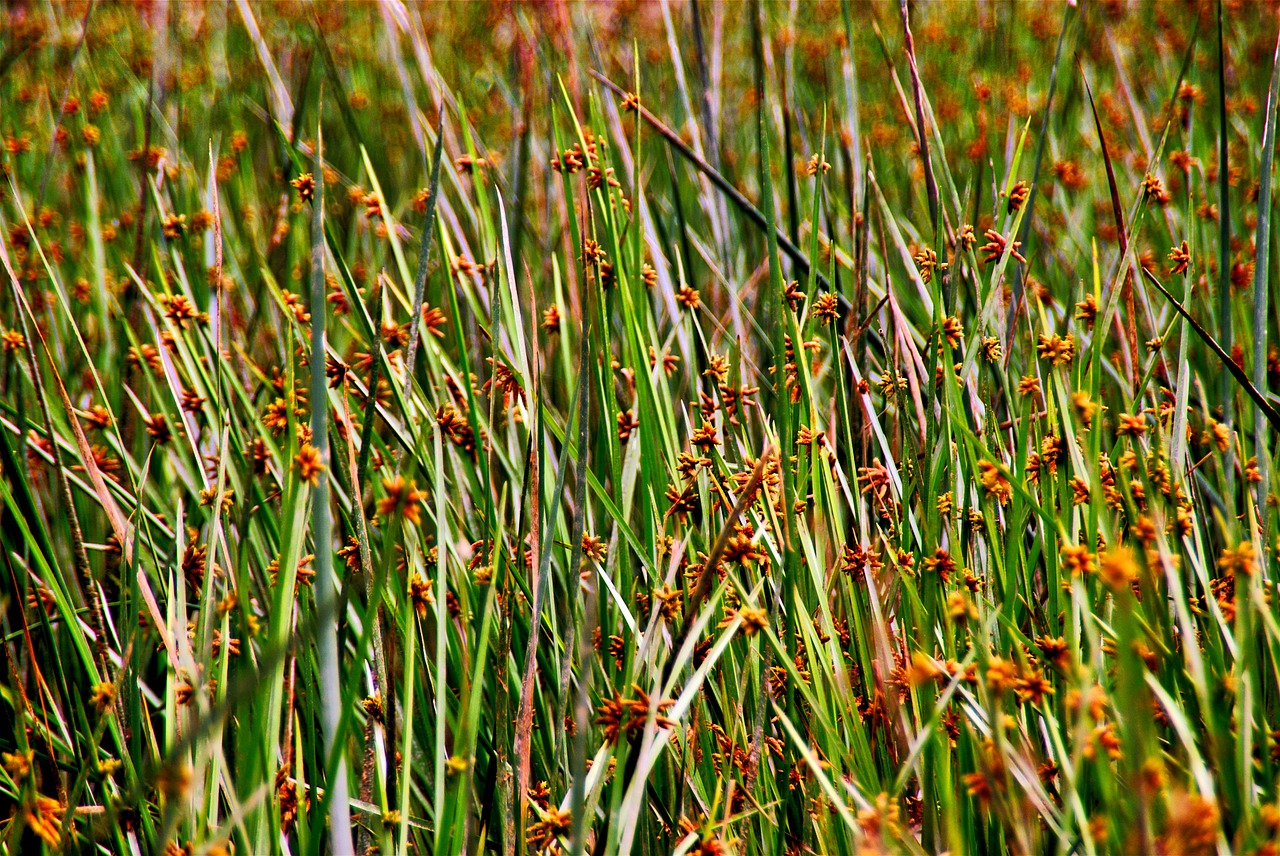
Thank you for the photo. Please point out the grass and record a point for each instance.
(638, 428)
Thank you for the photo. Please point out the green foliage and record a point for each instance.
(689, 428)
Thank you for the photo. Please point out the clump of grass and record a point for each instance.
(461, 434)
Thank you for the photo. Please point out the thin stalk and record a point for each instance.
(1261, 290)
(327, 584)
(922, 137)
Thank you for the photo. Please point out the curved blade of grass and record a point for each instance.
(1266, 409)
(930, 182)
(424, 255)
(279, 93)
(799, 259)
(1117, 211)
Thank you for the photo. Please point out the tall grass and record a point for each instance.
(612, 429)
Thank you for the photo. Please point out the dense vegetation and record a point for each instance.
(638, 428)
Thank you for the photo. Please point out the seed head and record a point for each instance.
(688, 297)
(420, 595)
(826, 308)
(754, 619)
(12, 340)
(994, 482)
(305, 184)
(175, 226)
(307, 464)
(1117, 568)
(551, 319)
(402, 497)
(1018, 195)
(103, 696)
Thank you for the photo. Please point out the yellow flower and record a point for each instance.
(305, 184)
(994, 482)
(420, 595)
(754, 619)
(174, 226)
(402, 496)
(1131, 425)
(12, 340)
(308, 464)
(17, 764)
(1077, 559)
(1238, 562)
(1118, 568)
(104, 695)
(44, 818)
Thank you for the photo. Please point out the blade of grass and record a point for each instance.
(1225, 335)
(922, 138)
(1041, 141)
(1261, 285)
(424, 255)
(1267, 410)
(1117, 211)
(328, 587)
(724, 186)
